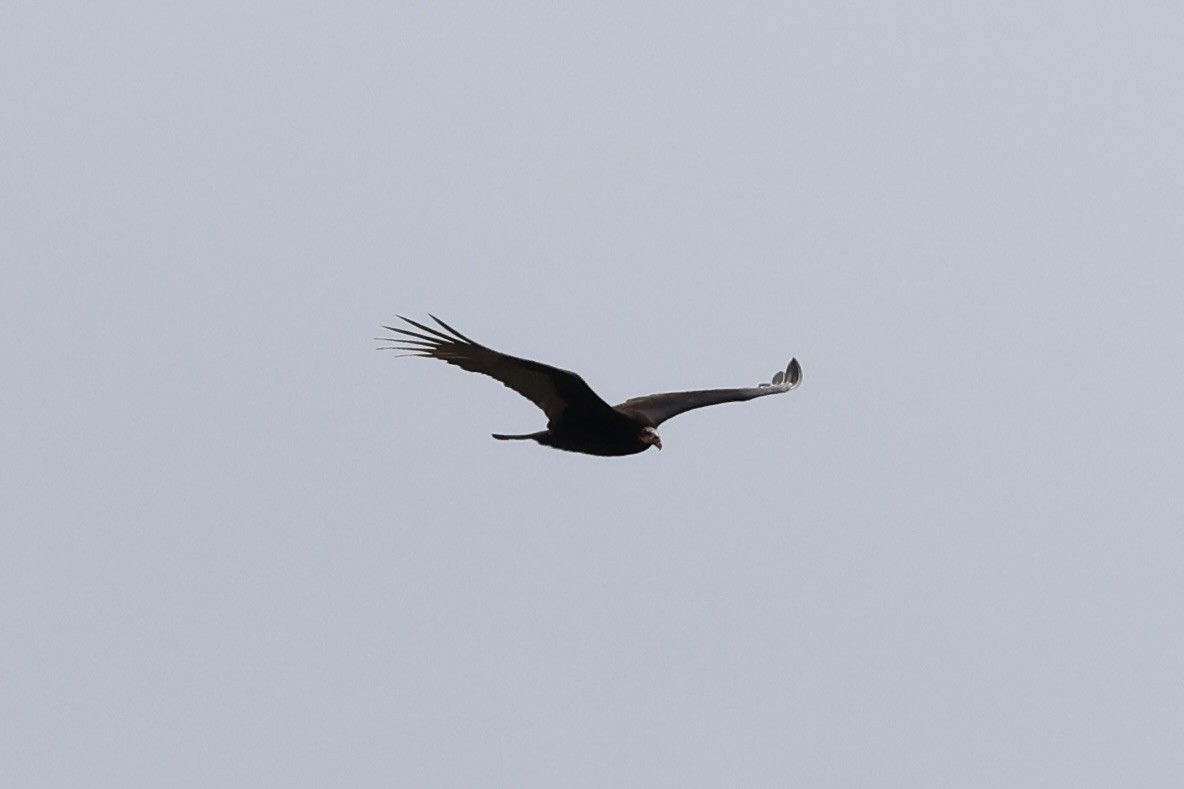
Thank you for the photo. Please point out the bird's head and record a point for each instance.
(650, 436)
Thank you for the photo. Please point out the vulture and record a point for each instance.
(577, 419)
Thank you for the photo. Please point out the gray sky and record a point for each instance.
(240, 548)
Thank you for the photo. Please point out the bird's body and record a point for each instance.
(612, 434)
(578, 419)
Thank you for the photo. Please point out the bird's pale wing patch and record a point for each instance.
(657, 408)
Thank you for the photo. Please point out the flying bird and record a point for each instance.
(577, 419)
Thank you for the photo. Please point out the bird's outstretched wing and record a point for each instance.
(551, 389)
(657, 408)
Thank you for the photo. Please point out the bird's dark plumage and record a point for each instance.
(578, 420)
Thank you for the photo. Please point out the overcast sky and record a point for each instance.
(241, 548)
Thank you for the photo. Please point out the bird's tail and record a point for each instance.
(522, 437)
